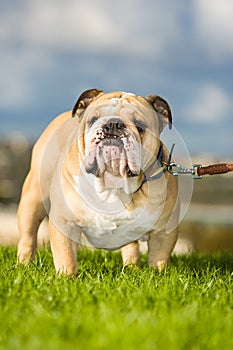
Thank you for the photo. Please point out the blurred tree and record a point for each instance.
(14, 164)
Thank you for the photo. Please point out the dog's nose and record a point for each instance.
(113, 126)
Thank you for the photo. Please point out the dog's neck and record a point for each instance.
(156, 170)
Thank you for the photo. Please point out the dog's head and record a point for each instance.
(120, 133)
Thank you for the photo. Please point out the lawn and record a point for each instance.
(188, 306)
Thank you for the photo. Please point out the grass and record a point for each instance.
(188, 306)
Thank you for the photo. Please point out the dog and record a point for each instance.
(98, 172)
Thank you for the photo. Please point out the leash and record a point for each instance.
(197, 171)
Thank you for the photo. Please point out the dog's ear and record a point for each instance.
(84, 100)
(163, 109)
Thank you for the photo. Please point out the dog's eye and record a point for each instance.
(141, 127)
(93, 120)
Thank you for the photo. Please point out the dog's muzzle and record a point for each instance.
(113, 148)
(113, 132)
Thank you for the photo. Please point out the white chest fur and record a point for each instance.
(111, 232)
(108, 223)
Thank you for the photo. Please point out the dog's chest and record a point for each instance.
(112, 231)
(113, 221)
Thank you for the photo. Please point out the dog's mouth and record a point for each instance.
(115, 150)
(112, 140)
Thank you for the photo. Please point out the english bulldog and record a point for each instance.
(98, 172)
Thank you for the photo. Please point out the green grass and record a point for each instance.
(188, 306)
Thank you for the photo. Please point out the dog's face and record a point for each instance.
(120, 134)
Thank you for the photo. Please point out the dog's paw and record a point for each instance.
(25, 256)
(159, 265)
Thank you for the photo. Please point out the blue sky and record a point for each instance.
(52, 50)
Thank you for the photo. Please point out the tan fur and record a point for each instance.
(56, 162)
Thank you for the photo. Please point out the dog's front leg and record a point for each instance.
(64, 252)
(160, 247)
(130, 254)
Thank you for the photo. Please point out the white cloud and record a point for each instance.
(214, 27)
(141, 27)
(211, 104)
(32, 33)
(39, 30)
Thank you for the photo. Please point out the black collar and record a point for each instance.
(162, 164)
(160, 160)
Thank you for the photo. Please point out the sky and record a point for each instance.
(53, 50)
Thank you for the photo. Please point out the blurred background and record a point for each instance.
(53, 50)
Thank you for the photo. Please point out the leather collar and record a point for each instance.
(160, 162)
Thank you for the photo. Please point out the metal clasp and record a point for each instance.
(177, 169)
(194, 170)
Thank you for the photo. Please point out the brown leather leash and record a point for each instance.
(214, 169)
(197, 170)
